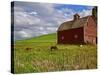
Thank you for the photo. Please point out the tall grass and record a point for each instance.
(41, 59)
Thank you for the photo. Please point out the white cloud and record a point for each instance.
(85, 13)
(24, 34)
(41, 28)
(22, 18)
(52, 29)
(34, 13)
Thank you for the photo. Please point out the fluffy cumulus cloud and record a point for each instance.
(34, 19)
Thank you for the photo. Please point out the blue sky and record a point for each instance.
(33, 19)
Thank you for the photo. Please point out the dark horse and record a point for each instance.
(28, 49)
(53, 48)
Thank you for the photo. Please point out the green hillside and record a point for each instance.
(43, 38)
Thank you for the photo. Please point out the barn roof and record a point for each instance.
(73, 24)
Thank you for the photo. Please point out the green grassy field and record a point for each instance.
(40, 59)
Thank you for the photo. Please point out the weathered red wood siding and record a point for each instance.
(90, 31)
(71, 36)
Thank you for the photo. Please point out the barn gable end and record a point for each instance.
(90, 31)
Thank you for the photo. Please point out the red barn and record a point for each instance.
(78, 31)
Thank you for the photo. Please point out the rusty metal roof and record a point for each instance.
(73, 24)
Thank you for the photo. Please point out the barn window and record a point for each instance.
(93, 40)
(75, 36)
(62, 37)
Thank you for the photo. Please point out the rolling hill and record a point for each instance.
(43, 38)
